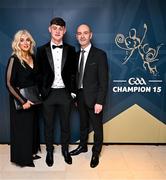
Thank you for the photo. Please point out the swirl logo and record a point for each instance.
(133, 43)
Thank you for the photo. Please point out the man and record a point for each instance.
(56, 61)
(92, 85)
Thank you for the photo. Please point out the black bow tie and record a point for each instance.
(54, 46)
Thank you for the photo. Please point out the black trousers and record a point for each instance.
(88, 116)
(58, 100)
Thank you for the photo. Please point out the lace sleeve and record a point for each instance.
(9, 81)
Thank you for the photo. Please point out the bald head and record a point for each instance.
(84, 35)
(84, 26)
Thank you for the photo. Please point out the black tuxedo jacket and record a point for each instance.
(95, 80)
(46, 68)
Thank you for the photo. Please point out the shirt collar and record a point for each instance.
(52, 43)
(87, 49)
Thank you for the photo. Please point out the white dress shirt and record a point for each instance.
(57, 60)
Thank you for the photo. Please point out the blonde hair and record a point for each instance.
(16, 41)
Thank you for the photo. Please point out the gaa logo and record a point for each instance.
(136, 81)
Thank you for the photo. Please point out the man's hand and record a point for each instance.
(98, 108)
(73, 95)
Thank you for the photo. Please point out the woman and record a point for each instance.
(22, 72)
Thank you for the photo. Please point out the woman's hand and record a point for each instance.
(27, 105)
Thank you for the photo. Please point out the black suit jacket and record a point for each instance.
(95, 80)
(46, 68)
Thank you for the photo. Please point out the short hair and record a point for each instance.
(58, 21)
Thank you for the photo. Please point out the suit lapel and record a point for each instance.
(90, 56)
(64, 56)
(77, 58)
(50, 58)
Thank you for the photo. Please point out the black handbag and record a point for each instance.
(30, 93)
(17, 104)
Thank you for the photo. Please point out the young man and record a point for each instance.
(56, 62)
(92, 82)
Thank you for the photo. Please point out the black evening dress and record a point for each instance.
(24, 131)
